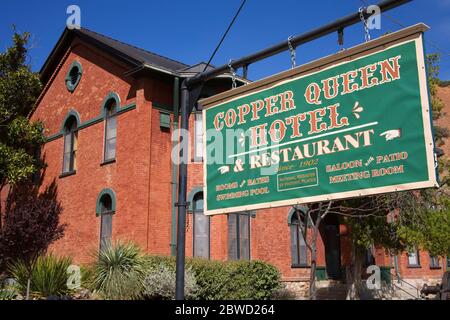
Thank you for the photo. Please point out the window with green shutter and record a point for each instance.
(164, 120)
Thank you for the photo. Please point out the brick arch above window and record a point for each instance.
(111, 95)
(112, 194)
(291, 213)
(71, 113)
(191, 196)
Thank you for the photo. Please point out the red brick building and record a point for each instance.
(109, 110)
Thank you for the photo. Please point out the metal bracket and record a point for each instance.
(184, 204)
(245, 71)
(341, 37)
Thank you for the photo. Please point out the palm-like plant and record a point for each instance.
(48, 276)
(120, 271)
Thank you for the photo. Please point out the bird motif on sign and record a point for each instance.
(224, 169)
(391, 134)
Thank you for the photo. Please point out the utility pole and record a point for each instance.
(182, 204)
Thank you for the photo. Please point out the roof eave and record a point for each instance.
(160, 69)
(136, 65)
(66, 37)
(222, 76)
(45, 69)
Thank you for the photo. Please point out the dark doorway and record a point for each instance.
(331, 240)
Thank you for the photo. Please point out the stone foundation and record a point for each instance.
(295, 290)
(299, 290)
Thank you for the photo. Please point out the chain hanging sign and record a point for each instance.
(353, 124)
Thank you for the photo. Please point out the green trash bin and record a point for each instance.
(385, 273)
(321, 273)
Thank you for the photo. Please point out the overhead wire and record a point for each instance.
(225, 34)
(443, 52)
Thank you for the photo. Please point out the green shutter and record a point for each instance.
(164, 120)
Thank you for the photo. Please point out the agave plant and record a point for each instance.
(120, 271)
(48, 276)
(8, 293)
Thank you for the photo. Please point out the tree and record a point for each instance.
(31, 220)
(371, 222)
(402, 221)
(19, 138)
(313, 217)
(31, 224)
(437, 105)
(367, 219)
(428, 226)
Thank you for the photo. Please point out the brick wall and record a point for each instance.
(128, 177)
(141, 175)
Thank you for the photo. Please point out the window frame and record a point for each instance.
(238, 237)
(195, 212)
(197, 158)
(298, 225)
(69, 85)
(70, 129)
(417, 264)
(107, 109)
(112, 194)
(103, 217)
(100, 212)
(432, 265)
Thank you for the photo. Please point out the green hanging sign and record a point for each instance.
(353, 124)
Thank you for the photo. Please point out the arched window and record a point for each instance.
(299, 252)
(110, 129)
(106, 207)
(70, 145)
(201, 226)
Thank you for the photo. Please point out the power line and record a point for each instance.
(397, 22)
(429, 42)
(225, 34)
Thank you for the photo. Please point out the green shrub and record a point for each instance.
(211, 278)
(248, 280)
(87, 276)
(123, 272)
(154, 262)
(48, 276)
(160, 283)
(251, 280)
(217, 280)
(120, 272)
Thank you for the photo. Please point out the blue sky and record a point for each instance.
(188, 30)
